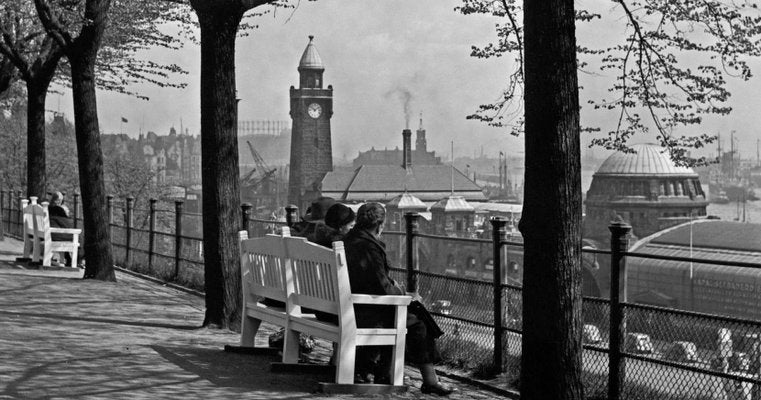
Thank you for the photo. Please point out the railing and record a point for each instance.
(627, 346)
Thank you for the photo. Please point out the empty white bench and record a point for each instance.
(304, 274)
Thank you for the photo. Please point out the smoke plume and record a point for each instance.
(405, 96)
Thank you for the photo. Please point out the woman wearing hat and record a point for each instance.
(338, 222)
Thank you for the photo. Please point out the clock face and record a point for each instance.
(314, 110)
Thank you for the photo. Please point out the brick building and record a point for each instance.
(420, 154)
(311, 148)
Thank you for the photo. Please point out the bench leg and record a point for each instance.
(397, 366)
(74, 255)
(248, 330)
(47, 254)
(347, 351)
(290, 346)
(28, 246)
(37, 249)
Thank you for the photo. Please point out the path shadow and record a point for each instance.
(247, 371)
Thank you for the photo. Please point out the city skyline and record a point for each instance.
(375, 56)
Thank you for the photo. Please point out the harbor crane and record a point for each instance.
(260, 174)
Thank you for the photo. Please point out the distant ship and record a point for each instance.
(719, 198)
(733, 191)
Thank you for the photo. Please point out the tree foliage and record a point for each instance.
(666, 67)
(13, 143)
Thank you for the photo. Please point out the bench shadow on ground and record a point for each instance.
(249, 371)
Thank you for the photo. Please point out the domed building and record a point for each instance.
(646, 188)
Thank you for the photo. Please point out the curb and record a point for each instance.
(159, 281)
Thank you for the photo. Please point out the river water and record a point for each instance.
(749, 211)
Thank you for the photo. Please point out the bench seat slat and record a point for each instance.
(390, 300)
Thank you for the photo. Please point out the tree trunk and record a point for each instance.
(551, 221)
(219, 161)
(36, 176)
(37, 84)
(97, 248)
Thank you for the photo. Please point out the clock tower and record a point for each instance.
(311, 151)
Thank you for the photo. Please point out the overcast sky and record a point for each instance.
(372, 50)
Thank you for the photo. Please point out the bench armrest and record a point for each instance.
(389, 300)
(72, 231)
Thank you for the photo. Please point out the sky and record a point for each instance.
(373, 51)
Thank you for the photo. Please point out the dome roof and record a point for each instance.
(311, 59)
(649, 159)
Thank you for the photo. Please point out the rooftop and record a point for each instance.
(648, 160)
(713, 234)
(384, 182)
(311, 59)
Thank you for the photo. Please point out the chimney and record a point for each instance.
(407, 148)
(420, 143)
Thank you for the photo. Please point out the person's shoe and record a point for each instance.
(363, 377)
(437, 389)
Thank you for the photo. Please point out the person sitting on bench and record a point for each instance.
(369, 274)
(59, 218)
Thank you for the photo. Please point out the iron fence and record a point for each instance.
(631, 350)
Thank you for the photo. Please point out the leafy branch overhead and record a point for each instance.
(134, 26)
(666, 64)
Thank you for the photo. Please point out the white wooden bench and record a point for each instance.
(263, 275)
(27, 230)
(304, 274)
(43, 246)
(321, 283)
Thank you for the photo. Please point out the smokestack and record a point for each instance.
(420, 144)
(406, 148)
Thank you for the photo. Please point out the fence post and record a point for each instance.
(20, 213)
(128, 235)
(411, 228)
(2, 219)
(151, 231)
(75, 211)
(177, 236)
(499, 235)
(619, 244)
(245, 213)
(291, 215)
(110, 216)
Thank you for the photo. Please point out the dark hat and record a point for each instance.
(339, 215)
(318, 209)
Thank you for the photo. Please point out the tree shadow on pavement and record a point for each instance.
(233, 370)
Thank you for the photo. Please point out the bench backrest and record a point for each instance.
(320, 278)
(263, 267)
(41, 220)
(28, 216)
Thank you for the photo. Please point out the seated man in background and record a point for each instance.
(59, 218)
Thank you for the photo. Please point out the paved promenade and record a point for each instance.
(65, 337)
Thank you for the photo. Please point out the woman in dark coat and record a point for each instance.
(338, 221)
(369, 274)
